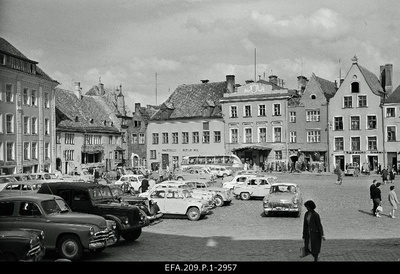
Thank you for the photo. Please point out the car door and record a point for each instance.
(158, 196)
(263, 187)
(174, 202)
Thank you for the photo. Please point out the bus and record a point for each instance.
(229, 161)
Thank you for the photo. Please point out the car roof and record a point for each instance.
(284, 184)
(75, 185)
(36, 197)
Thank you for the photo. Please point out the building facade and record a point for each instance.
(27, 114)
(255, 116)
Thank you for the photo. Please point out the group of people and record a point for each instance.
(376, 197)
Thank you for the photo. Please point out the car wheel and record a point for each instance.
(219, 201)
(245, 196)
(133, 235)
(193, 214)
(70, 247)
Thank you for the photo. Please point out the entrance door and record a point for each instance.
(373, 162)
(164, 161)
(339, 160)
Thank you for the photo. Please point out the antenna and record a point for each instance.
(156, 88)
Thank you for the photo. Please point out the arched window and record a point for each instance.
(355, 87)
(313, 96)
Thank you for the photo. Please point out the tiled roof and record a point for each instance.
(372, 81)
(187, 101)
(8, 48)
(328, 88)
(84, 110)
(110, 98)
(274, 86)
(394, 97)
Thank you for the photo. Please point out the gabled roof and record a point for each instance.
(372, 81)
(394, 97)
(187, 101)
(328, 88)
(77, 114)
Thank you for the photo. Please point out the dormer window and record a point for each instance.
(313, 96)
(355, 87)
(76, 119)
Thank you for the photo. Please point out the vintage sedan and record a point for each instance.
(20, 187)
(236, 180)
(21, 245)
(254, 187)
(283, 198)
(67, 232)
(194, 173)
(175, 202)
(222, 196)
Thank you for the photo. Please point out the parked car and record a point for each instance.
(148, 207)
(352, 170)
(236, 180)
(21, 245)
(98, 199)
(46, 176)
(22, 176)
(283, 198)
(7, 179)
(193, 173)
(20, 187)
(258, 186)
(223, 196)
(134, 180)
(77, 176)
(179, 202)
(220, 171)
(67, 232)
(248, 171)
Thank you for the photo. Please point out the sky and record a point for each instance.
(150, 47)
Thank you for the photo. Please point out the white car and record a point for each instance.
(220, 171)
(254, 187)
(135, 180)
(237, 180)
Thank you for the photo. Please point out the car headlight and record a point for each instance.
(31, 243)
(91, 231)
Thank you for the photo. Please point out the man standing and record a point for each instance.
(376, 195)
(371, 193)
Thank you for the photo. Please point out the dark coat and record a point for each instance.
(376, 194)
(145, 185)
(313, 232)
(371, 191)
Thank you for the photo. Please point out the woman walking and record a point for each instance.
(313, 232)
(393, 201)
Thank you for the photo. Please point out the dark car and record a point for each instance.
(21, 245)
(67, 232)
(98, 199)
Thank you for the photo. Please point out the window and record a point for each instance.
(69, 138)
(10, 156)
(372, 143)
(165, 138)
(261, 110)
(292, 137)
(1, 123)
(9, 123)
(46, 100)
(174, 137)
(262, 135)
(1, 152)
(134, 138)
(185, 137)
(355, 122)
(313, 96)
(234, 135)
(292, 116)
(58, 138)
(206, 137)
(277, 109)
(362, 101)
(195, 137)
(312, 115)
(371, 122)
(33, 98)
(206, 125)
(248, 135)
(155, 138)
(313, 136)
(339, 143)
(391, 133)
(26, 97)
(233, 111)
(355, 143)
(141, 138)
(278, 154)
(69, 155)
(217, 136)
(137, 123)
(26, 124)
(47, 150)
(34, 125)
(355, 87)
(390, 112)
(153, 154)
(9, 93)
(247, 111)
(338, 123)
(46, 126)
(26, 151)
(347, 101)
(277, 134)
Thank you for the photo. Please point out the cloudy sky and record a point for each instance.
(128, 42)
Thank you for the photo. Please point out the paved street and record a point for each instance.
(238, 233)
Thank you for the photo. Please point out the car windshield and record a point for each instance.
(98, 193)
(55, 206)
(283, 189)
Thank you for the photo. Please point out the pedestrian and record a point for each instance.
(338, 172)
(376, 195)
(144, 185)
(385, 174)
(393, 201)
(313, 232)
(391, 175)
(371, 193)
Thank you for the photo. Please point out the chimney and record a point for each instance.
(230, 83)
(385, 78)
(302, 82)
(249, 81)
(78, 90)
(137, 107)
(101, 89)
(273, 79)
(205, 81)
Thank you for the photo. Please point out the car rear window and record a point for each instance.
(6, 208)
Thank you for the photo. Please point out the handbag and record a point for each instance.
(379, 209)
(303, 252)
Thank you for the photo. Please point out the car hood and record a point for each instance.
(79, 218)
(281, 197)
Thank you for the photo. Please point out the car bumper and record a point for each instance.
(280, 209)
(36, 255)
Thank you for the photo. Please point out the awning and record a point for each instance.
(252, 147)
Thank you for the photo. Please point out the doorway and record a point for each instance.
(339, 160)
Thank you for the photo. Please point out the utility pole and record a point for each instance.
(255, 65)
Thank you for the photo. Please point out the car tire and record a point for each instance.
(70, 247)
(219, 201)
(133, 235)
(193, 214)
(245, 196)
